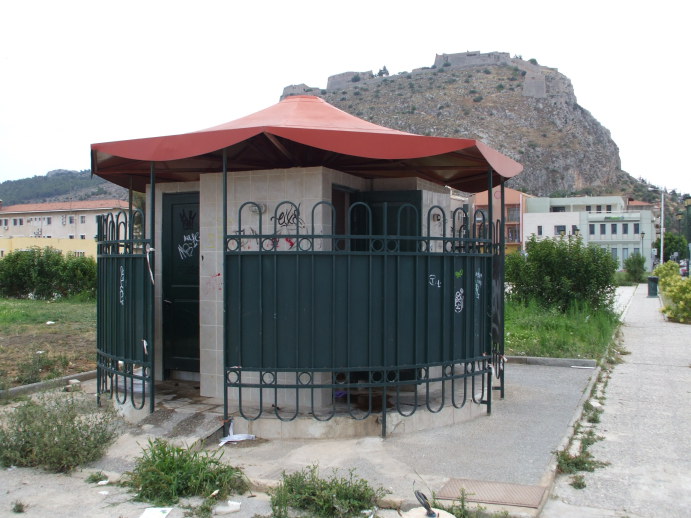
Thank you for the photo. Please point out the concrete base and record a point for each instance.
(306, 427)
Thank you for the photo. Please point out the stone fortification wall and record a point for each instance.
(472, 59)
(345, 79)
(301, 89)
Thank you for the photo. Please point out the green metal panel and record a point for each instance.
(124, 332)
(379, 308)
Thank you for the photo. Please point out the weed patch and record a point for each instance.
(580, 332)
(166, 473)
(335, 497)
(56, 432)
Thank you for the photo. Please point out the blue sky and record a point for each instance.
(76, 72)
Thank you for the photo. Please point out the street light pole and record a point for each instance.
(662, 229)
(662, 223)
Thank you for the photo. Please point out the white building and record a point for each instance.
(69, 226)
(612, 222)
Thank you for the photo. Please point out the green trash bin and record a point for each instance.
(652, 286)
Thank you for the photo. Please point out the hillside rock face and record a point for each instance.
(526, 111)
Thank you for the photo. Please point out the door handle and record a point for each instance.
(167, 301)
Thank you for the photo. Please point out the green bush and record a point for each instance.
(561, 272)
(56, 432)
(44, 273)
(676, 291)
(635, 267)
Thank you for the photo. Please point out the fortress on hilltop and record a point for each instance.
(534, 84)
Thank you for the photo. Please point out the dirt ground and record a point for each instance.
(32, 352)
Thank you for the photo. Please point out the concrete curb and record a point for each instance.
(553, 362)
(45, 385)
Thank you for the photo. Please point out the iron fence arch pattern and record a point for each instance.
(124, 310)
(388, 309)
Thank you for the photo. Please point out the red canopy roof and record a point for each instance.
(303, 131)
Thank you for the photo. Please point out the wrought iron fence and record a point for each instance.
(124, 310)
(392, 313)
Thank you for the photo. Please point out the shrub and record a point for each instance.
(635, 267)
(166, 473)
(56, 432)
(355, 78)
(560, 272)
(334, 497)
(44, 273)
(676, 291)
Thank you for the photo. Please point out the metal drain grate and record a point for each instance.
(492, 493)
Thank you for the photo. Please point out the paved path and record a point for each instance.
(646, 427)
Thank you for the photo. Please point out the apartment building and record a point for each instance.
(68, 226)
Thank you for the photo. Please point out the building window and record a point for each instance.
(79, 254)
(82, 219)
(609, 208)
(71, 220)
(71, 236)
(82, 236)
(513, 213)
(624, 228)
(614, 229)
(603, 229)
(574, 229)
(49, 220)
(557, 209)
(539, 230)
(598, 208)
(559, 230)
(591, 229)
(636, 228)
(636, 251)
(614, 253)
(588, 208)
(624, 254)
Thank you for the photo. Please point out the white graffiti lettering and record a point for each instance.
(478, 284)
(122, 285)
(433, 281)
(458, 301)
(189, 243)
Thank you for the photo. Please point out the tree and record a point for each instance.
(635, 267)
(561, 272)
(673, 243)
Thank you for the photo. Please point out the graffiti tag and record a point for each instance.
(478, 284)
(289, 216)
(122, 285)
(458, 301)
(434, 281)
(189, 243)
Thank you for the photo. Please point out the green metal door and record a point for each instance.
(180, 243)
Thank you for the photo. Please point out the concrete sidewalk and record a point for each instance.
(646, 426)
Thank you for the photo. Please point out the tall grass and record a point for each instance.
(580, 332)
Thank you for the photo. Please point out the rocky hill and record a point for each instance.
(524, 110)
